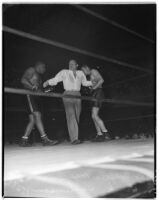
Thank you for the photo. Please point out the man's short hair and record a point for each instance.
(39, 63)
(73, 60)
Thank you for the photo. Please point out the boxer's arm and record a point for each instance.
(53, 81)
(99, 78)
(85, 82)
(25, 80)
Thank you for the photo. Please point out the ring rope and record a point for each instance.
(71, 48)
(129, 118)
(127, 80)
(111, 120)
(24, 92)
(112, 22)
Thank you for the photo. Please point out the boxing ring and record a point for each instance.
(118, 168)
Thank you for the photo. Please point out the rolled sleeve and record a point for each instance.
(56, 79)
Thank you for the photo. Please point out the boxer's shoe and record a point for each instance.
(47, 142)
(24, 143)
(107, 135)
(99, 138)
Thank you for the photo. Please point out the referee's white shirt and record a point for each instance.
(70, 82)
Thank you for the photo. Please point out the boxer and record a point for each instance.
(31, 80)
(97, 93)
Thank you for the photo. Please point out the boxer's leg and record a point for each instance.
(40, 127)
(96, 125)
(101, 130)
(30, 126)
(99, 121)
(39, 123)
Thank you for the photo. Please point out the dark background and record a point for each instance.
(69, 25)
